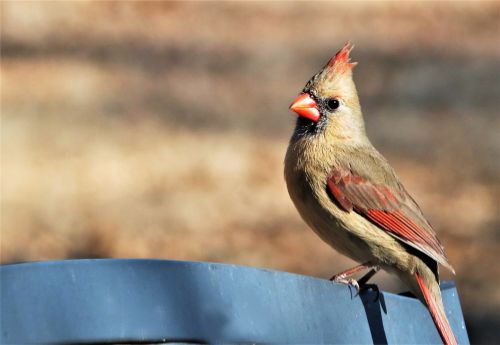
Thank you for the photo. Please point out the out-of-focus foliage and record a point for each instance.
(158, 129)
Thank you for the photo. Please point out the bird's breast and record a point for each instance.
(306, 181)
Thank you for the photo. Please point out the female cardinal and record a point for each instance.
(345, 190)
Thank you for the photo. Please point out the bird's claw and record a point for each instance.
(341, 279)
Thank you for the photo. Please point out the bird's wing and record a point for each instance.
(389, 207)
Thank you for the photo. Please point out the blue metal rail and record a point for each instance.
(155, 301)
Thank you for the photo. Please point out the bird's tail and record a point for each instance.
(429, 287)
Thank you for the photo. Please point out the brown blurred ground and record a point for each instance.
(159, 129)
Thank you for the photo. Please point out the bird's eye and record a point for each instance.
(332, 104)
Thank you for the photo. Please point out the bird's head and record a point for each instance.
(329, 103)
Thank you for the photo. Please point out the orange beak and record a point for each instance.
(306, 107)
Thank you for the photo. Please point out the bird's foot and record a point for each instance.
(341, 279)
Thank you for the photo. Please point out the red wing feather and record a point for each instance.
(394, 212)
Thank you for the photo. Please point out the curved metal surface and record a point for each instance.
(131, 300)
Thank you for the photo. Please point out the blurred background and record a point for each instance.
(158, 130)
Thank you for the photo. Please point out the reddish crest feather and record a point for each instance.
(340, 62)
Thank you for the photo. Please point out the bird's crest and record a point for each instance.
(341, 61)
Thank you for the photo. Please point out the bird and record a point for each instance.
(350, 196)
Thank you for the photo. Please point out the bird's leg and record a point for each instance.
(341, 277)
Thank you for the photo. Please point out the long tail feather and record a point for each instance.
(432, 297)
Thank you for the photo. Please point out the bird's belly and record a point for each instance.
(329, 225)
(343, 239)
(347, 232)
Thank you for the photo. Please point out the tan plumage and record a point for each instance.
(347, 192)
